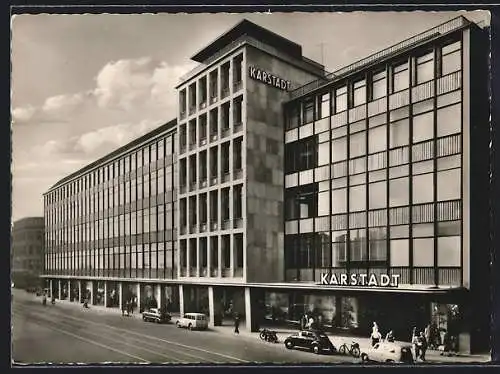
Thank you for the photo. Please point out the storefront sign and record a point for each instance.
(360, 280)
(268, 78)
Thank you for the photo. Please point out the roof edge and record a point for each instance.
(170, 125)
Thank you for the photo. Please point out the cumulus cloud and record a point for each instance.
(62, 104)
(67, 132)
(111, 137)
(142, 88)
(127, 84)
(23, 114)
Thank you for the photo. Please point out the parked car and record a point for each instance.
(388, 352)
(193, 321)
(314, 341)
(156, 315)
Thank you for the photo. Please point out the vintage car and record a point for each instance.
(312, 340)
(155, 315)
(193, 321)
(388, 352)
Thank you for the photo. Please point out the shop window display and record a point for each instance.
(349, 312)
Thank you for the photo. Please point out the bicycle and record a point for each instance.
(353, 350)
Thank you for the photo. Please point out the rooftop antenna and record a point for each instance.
(321, 49)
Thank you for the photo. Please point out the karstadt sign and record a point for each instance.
(268, 78)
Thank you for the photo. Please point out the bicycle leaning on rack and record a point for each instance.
(353, 349)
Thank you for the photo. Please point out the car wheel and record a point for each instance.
(364, 357)
(355, 352)
(190, 327)
(389, 361)
(178, 324)
(316, 350)
(289, 344)
(144, 318)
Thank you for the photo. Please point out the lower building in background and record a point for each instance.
(27, 252)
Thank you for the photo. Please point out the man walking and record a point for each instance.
(236, 323)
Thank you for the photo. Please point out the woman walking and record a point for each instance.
(375, 335)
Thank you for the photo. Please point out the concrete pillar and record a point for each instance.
(158, 295)
(50, 288)
(59, 289)
(120, 295)
(211, 308)
(219, 255)
(138, 297)
(248, 310)
(181, 299)
(70, 291)
(105, 294)
(79, 291)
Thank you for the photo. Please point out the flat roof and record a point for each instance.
(166, 127)
(433, 33)
(247, 27)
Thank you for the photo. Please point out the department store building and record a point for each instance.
(276, 173)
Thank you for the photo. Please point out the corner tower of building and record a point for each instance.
(231, 154)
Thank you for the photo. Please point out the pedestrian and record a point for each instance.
(311, 324)
(427, 334)
(236, 323)
(130, 308)
(422, 343)
(389, 337)
(414, 342)
(303, 321)
(445, 342)
(375, 335)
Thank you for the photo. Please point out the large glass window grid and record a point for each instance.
(82, 222)
(389, 179)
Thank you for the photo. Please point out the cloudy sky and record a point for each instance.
(83, 85)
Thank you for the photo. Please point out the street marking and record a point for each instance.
(159, 339)
(150, 337)
(96, 343)
(124, 343)
(116, 340)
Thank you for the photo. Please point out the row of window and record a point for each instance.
(199, 206)
(323, 149)
(355, 248)
(194, 255)
(316, 200)
(214, 162)
(148, 154)
(137, 257)
(212, 85)
(154, 219)
(150, 185)
(395, 77)
(198, 129)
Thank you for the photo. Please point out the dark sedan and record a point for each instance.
(156, 315)
(314, 341)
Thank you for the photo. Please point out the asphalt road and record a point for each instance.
(61, 334)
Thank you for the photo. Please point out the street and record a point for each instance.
(67, 334)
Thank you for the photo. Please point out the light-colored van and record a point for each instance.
(193, 321)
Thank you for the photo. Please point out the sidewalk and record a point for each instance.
(227, 329)
(364, 344)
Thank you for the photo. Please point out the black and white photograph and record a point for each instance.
(251, 188)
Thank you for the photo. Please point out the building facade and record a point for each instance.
(277, 176)
(27, 252)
